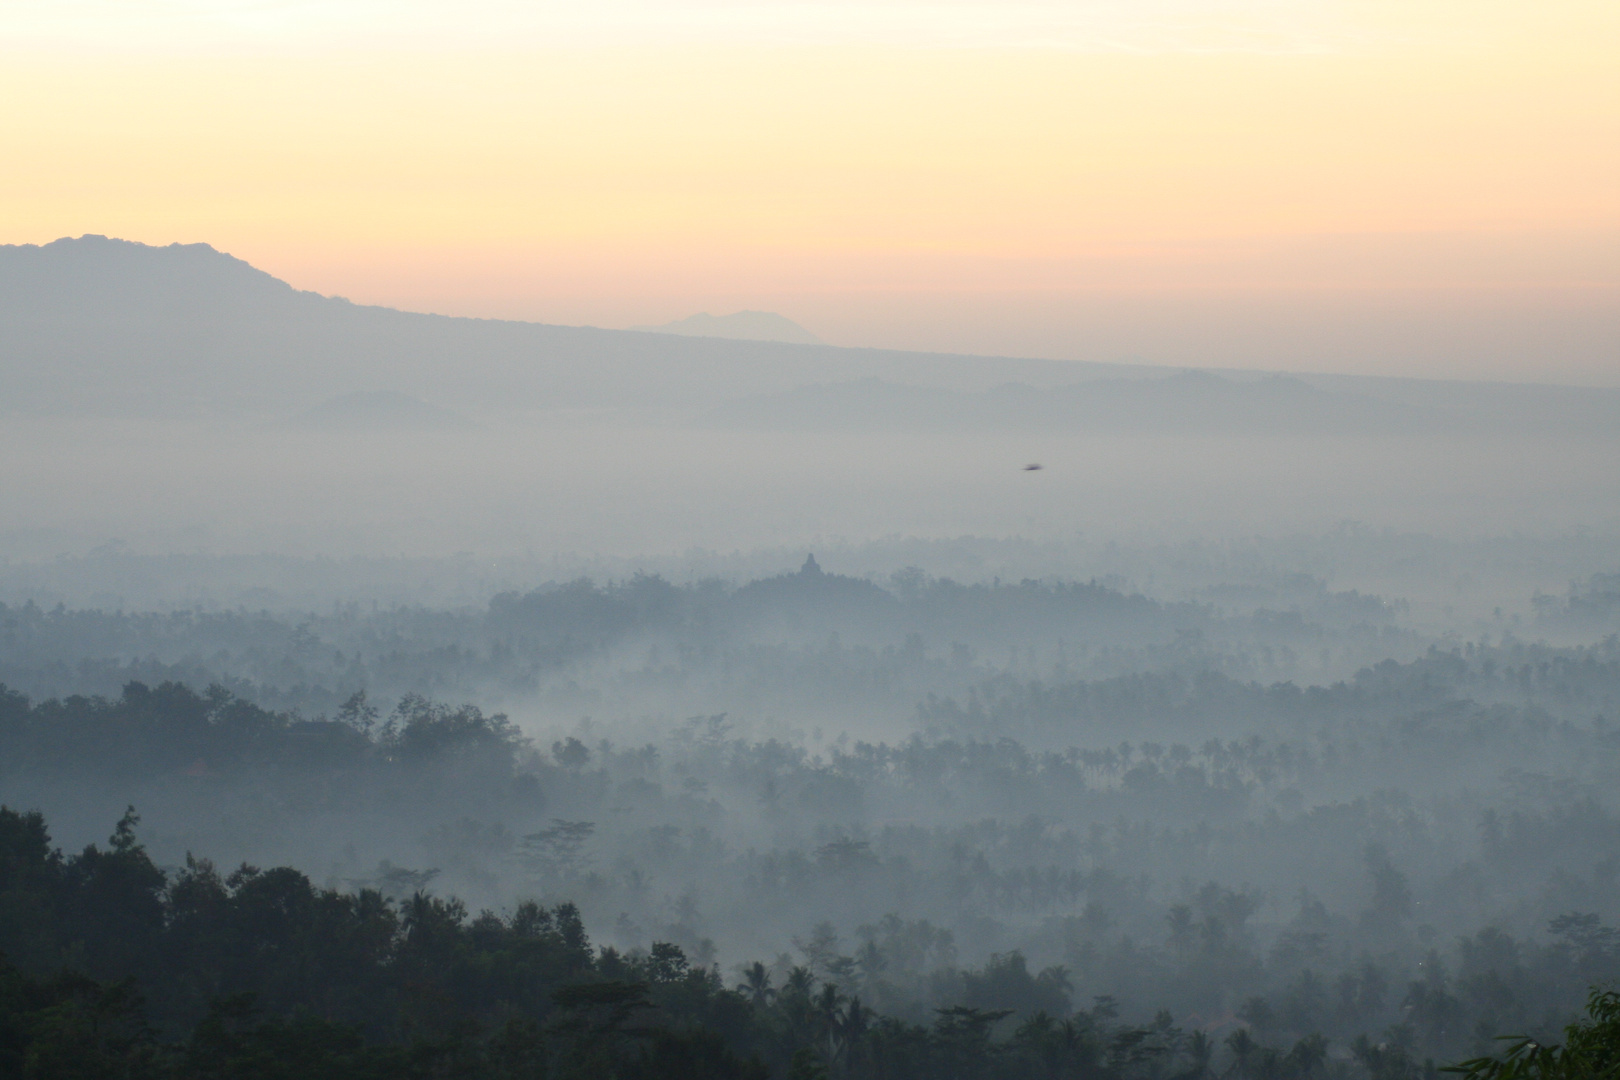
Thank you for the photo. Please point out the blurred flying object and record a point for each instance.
(1033, 467)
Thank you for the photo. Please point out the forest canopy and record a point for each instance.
(259, 973)
(810, 824)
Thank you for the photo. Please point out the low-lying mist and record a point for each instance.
(560, 484)
(458, 691)
(1278, 792)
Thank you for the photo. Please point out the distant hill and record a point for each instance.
(108, 326)
(97, 326)
(738, 326)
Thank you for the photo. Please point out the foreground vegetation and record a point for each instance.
(115, 968)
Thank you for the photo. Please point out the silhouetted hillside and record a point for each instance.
(108, 327)
(101, 325)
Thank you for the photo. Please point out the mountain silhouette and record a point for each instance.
(109, 326)
(99, 326)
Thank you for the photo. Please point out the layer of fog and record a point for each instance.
(562, 487)
(1336, 653)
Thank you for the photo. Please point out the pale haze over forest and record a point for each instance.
(806, 541)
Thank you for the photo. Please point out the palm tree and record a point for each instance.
(800, 981)
(827, 1014)
(1243, 1048)
(856, 1019)
(852, 1025)
(756, 985)
(1200, 1048)
(793, 1001)
(1307, 1055)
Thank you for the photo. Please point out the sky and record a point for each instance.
(1422, 187)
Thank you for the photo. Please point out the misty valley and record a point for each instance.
(809, 540)
(814, 824)
(395, 695)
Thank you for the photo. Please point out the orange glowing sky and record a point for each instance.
(1334, 185)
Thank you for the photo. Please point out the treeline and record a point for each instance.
(1161, 874)
(113, 968)
(171, 729)
(564, 619)
(1105, 657)
(122, 970)
(912, 632)
(1578, 684)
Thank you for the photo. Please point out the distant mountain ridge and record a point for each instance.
(109, 326)
(141, 281)
(99, 326)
